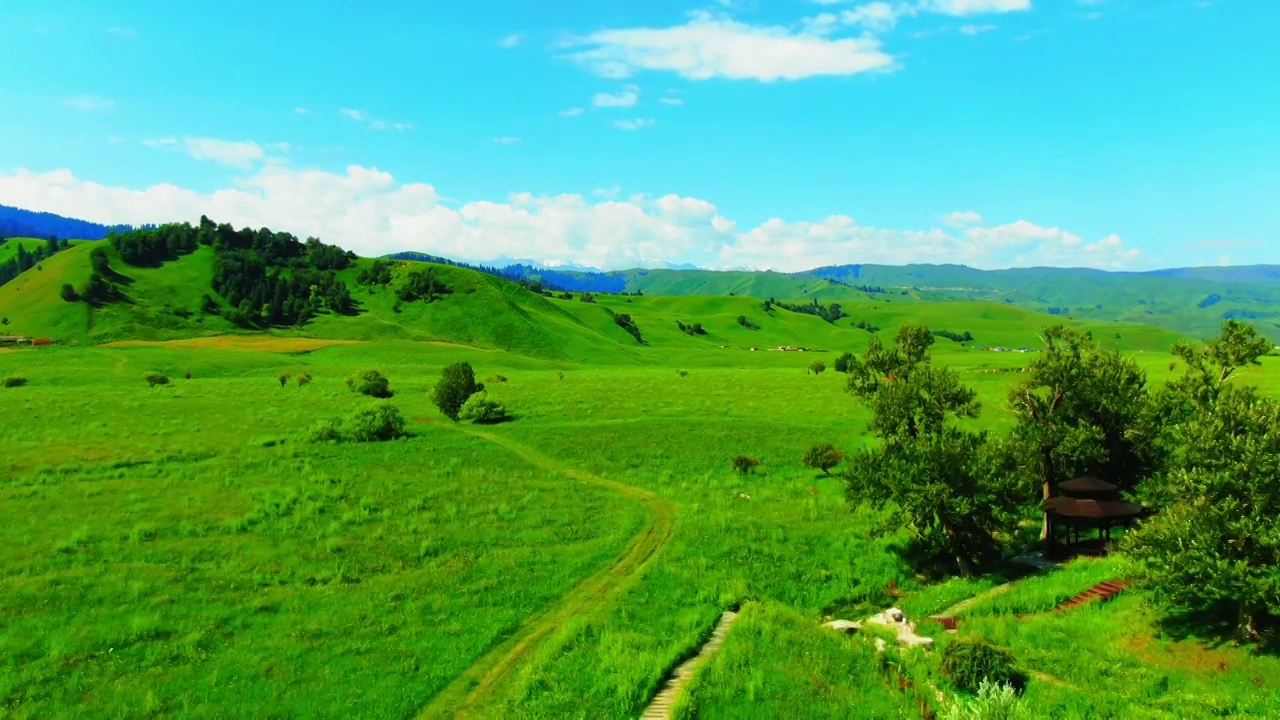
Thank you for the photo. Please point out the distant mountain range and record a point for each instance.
(16, 222)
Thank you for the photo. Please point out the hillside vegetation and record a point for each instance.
(172, 296)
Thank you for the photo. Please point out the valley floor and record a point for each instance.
(184, 550)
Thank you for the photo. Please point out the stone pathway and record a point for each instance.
(660, 708)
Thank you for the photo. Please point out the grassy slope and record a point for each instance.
(9, 248)
(484, 311)
(1170, 300)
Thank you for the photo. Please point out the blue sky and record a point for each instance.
(787, 134)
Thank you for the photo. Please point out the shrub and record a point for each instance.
(587, 297)
(188, 375)
(154, 379)
(284, 379)
(994, 702)
(68, 293)
(303, 379)
(968, 661)
(375, 424)
(817, 366)
(844, 363)
(457, 384)
(822, 457)
(480, 410)
(744, 465)
(682, 373)
(496, 379)
(744, 322)
(14, 381)
(371, 383)
(326, 431)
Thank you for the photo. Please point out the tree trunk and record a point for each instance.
(1050, 485)
(1245, 626)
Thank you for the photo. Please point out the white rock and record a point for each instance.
(848, 626)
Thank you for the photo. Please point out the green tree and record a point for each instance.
(100, 261)
(154, 379)
(817, 367)
(1212, 548)
(952, 487)
(844, 362)
(456, 385)
(1083, 410)
(822, 457)
(68, 293)
(743, 465)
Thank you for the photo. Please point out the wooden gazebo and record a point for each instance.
(1087, 503)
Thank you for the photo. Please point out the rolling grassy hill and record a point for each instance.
(1192, 301)
(162, 303)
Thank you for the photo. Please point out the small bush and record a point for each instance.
(481, 410)
(303, 379)
(496, 379)
(743, 465)
(284, 379)
(376, 424)
(682, 373)
(154, 379)
(69, 293)
(188, 375)
(844, 363)
(822, 457)
(994, 702)
(380, 423)
(744, 322)
(371, 383)
(14, 381)
(968, 661)
(817, 367)
(326, 431)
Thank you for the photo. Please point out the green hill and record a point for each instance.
(165, 302)
(1192, 301)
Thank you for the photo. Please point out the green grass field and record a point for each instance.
(184, 550)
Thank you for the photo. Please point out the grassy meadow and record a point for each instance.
(183, 550)
(186, 550)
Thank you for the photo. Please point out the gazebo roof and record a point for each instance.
(1087, 484)
(1092, 509)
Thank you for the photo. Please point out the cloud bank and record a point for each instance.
(369, 211)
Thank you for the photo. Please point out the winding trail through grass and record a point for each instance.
(478, 686)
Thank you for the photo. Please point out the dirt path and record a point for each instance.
(660, 708)
(965, 604)
(477, 687)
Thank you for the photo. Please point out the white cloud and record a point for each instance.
(571, 112)
(368, 211)
(352, 114)
(962, 218)
(876, 16)
(374, 124)
(227, 152)
(159, 142)
(115, 139)
(635, 124)
(302, 111)
(506, 140)
(976, 29)
(974, 7)
(123, 32)
(709, 47)
(1092, 16)
(510, 41)
(671, 101)
(627, 98)
(90, 103)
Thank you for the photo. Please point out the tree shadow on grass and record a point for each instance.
(1216, 627)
